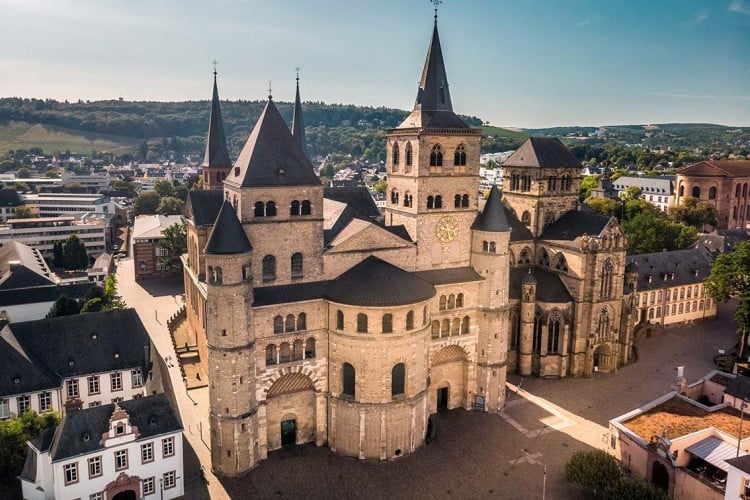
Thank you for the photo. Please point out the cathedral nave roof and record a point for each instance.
(550, 287)
(543, 152)
(575, 223)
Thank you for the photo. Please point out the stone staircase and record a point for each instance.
(186, 347)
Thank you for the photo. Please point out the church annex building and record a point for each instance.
(318, 320)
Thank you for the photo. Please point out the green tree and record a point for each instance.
(14, 433)
(175, 243)
(64, 306)
(587, 184)
(74, 254)
(380, 186)
(164, 188)
(146, 203)
(633, 488)
(694, 212)
(57, 254)
(23, 173)
(603, 206)
(651, 231)
(92, 305)
(143, 150)
(730, 278)
(170, 206)
(596, 470)
(24, 212)
(631, 193)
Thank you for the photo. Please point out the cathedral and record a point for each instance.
(320, 320)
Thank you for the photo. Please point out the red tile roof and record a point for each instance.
(717, 168)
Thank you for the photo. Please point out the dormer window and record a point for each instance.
(281, 173)
(119, 430)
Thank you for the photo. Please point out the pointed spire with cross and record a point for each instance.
(214, 63)
(270, 91)
(436, 3)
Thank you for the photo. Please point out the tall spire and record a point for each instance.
(217, 154)
(433, 107)
(298, 125)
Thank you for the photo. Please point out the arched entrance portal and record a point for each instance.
(125, 495)
(291, 411)
(602, 359)
(660, 476)
(448, 372)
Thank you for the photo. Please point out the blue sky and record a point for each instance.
(523, 63)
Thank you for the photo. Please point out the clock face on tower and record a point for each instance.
(446, 229)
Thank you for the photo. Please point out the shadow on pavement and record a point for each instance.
(172, 285)
(195, 486)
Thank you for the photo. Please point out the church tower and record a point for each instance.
(432, 160)
(216, 163)
(298, 124)
(230, 338)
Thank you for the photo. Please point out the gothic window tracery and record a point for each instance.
(459, 158)
(436, 156)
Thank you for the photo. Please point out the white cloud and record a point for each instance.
(700, 16)
(583, 23)
(739, 7)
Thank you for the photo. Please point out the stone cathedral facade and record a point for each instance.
(319, 320)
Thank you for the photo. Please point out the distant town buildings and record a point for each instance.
(10, 200)
(150, 258)
(657, 190)
(42, 232)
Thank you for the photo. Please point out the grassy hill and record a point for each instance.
(22, 135)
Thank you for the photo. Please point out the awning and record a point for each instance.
(714, 451)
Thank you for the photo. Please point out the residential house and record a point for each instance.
(152, 260)
(657, 190)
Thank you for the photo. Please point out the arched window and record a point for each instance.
(302, 321)
(394, 197)
(410, 320)
(552, 183)
(515, 330)
(436, 156)
(682, 190)
(485, 246)
(424, 315)
(306, 208)
(294, 208)
(269, 268)
(234, 203)
(297, 270)
(737, 191)
(525, 256)
(459, 157)
(465, 201)
(270, 355)
(361, 323)
(310, 348)
(465, 325)
(407, 199)
(270, 209)
(744, 190)
(560, 263)
(339, 320)
(543, 258)
(536, 344)
(246, 272)
(289, 323)
(460, 300)
(259, 209)
(430, 202)
(398, 374)
(218, 275)
(445, 328)
(443, 302)
(712, 193)
(607, 278)
(602, 329)
(526, 218)
(451, 301)
(285, 353)
(348, 380)
(387, 323)
(435, 329)
(409, 155)
(278, 324)
(297, 349)
(456, 327)
(553, 332)
(567, 182)
(396, 157)
(696, 192)
(526, 183)
(457, 201)
(438, 201)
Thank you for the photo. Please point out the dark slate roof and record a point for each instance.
(529, 279)
(227, 235)
(66, 345)
(298, 124)
(739, 387)
(543, 152)
(518, 231)
(203, 206)
(10, 198)
(682, 264)
(433, 107)
(31, 271)
(153, 415)
(550, 287)
(284, 294)
(358, 198)
(271, 156)
(217, 154)
(375, 282)
(492, 218)
(28, 472)
(742, 463)
(21, 371)
(399, 231)
(47, 293)
(575, 223)
(448, 276)
(42, 443)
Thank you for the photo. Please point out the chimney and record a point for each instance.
(14, 265)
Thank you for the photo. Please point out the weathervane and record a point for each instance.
(214, 63)
(270, 91)
(436, 3)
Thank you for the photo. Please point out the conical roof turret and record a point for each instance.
(217, 154)
(227, 235)
(492, 218)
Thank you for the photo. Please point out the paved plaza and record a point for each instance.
(475, 455)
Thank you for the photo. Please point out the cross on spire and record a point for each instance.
(436, 3)
(270, 91)
(214, 63)
(297, 69)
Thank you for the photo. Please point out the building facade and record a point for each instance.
(42, 233)
(723, 184)
(152, 260)
(317, 322)
(657, 190)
